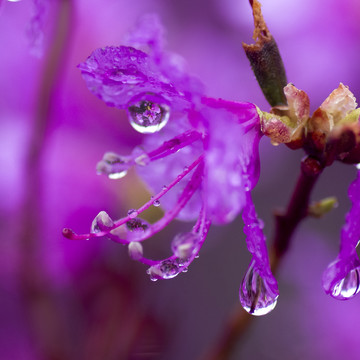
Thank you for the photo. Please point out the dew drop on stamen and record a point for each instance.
(156, 203)
(132, 213)
(148, 117)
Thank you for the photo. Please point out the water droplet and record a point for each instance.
(135, 250)
(186, 168)
(153, 278)
(101, 222)
(169, 269)
(358, 166)
(132, 58)
(256, 296)
(164, 188)
(156, 203)
(185, 246)
(166, 269)
(348, 287)
(132, 213)
(114, 166)
(185, 269)
(148, 117)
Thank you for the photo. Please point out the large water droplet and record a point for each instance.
(156, 203)
(148, 117)
(185, 246)
(348, 287)
(255, 294)
(114, 166)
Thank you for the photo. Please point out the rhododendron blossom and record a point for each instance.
(200, 156)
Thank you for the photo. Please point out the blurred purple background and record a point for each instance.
(87, 300)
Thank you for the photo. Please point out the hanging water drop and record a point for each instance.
(256, 296)
(348, 287)
(148, 117)
(156, 203)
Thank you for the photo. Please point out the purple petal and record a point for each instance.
(256, 243)
(347, 261)
(119, 75)
(232, 158)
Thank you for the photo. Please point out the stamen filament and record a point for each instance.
(187, 194)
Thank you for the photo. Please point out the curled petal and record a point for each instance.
(118, 74)
(232, 158)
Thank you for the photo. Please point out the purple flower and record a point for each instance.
(212, 142)
(342, 277)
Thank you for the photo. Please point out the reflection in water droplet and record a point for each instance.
(166, 269)
(148, 117)
(156, 203)
(347, 287)
(255, 294)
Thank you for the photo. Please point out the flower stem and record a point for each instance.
(286, 224)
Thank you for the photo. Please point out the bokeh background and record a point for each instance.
(87, 300)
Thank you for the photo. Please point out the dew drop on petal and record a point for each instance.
(347, 287)
(255, 294)
(148, 117)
